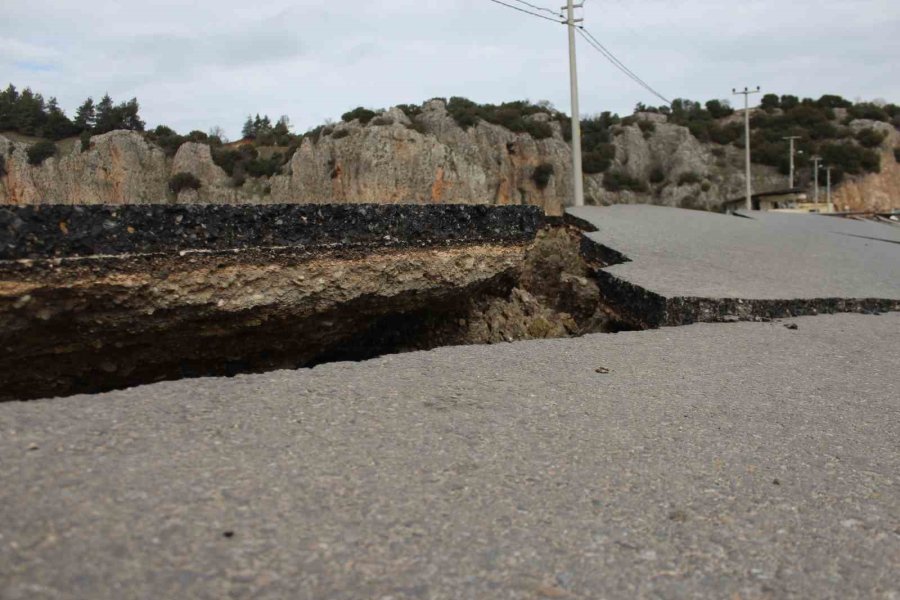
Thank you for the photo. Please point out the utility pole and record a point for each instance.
(791, 140)
(576, 114)
(816, 160)
(747, 92)
(828, 179)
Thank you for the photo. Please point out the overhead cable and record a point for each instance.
(527, 12)
(606, 53)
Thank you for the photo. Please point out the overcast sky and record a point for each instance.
(195, 64)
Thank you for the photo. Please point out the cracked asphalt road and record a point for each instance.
(740, 460)
(684, 253)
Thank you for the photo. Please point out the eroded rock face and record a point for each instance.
(395, 163)
(876, 191)
(680, 170)
(391, 160)
(119, 167)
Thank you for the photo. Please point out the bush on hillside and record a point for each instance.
(851, 159)
(647, 127)
(542, 174)
(897, 154)
(869, 138)
(689, 178)
(599, 159)
(167, 139)
(657, 175)
(511, 115)
(617, 181)
(364, 115)
(183, 181)
(2, 165)
(85, 139)
(39, 152)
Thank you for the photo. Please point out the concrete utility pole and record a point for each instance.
(576, 114)
(816, 160)
(828, 179)
(747, 92)
(791, 140)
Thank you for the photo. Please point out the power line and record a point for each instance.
(527, 12)
(606, 53)
(540, 8)
(599, 47)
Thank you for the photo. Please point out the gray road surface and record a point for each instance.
(683, 253)
(711, 461)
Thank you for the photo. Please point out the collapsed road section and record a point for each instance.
(99, 297)
(669, 267)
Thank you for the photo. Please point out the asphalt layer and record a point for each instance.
(64, 231)
(677, 253)
(743, 460)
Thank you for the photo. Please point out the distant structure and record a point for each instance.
(787, 200)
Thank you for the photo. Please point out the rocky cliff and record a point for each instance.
(876, 191)
(392, 160)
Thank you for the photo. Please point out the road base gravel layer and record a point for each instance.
(746, 460)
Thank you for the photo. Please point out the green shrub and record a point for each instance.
(648, 127)
(617, 181)
(705, 186)
(85, 138)
(382, 121)
(851, 159)
(2, 165)
(598, 159)
(463, 111)
(364, 115)
(538, 130)
(167, 139)
(689, 178)
(869, 138)
(410, 110)
(230, 160)
(657, 175)
(542, 174)
(867, 110)
(183, 181)
(897, 154)
(340, 134)
(594, 162)
(511, 115)
(416, 125)
(267, 167)
(39, 152)
(719, 109)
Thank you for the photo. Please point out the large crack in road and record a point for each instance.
(101, 298)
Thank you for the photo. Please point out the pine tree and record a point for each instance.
(86, 116)
(57, 125)
(104, 115)
(8, 99)
(248, 131)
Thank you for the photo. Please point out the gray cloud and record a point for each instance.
(194, 65)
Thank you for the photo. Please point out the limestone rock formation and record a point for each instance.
(118, 167)
(876, 191)
(390, 159)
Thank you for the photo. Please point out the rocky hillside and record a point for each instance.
(428, 159)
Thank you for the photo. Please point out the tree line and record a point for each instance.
(28, 113)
